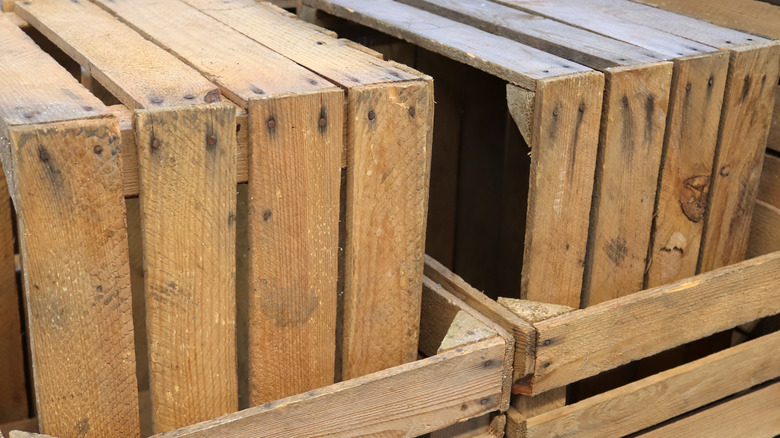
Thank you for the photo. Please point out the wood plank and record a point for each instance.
(78, 291)
(630, 148)
(393, 402)
(293, 228)
(13, 402)
(293, 216)
(21, 434)
(499, 56)
(746, 15)
(475, 427)
(764, 230)
(588, 341)
(756, 414)
(27, 425)
(573, 43)
(747, 106)
(773, 142)
(769, 187)
(689, 151)
(386, 208)
(632, 407)
(578, 14)
(523, 332)
(190, 260)
(567, 113)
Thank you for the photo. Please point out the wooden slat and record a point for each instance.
(407, 400)
(578, 45)
(633, 407)
(13, 402)
(499, 56)
(632, 137)
(769, 188)
(523, 332)
(564, 139)
(64, 178)
(764, 230)
(186, 152)
(293, 236)
(774, 132)
(293, 215)
(756, 414)
(689, 151)
(475, 427)
(386, 206)
(747, 106)
(578, 14)
(586, 342)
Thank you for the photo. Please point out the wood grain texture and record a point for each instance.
(769, 187)
(633, 407)
(499, 56)
(27, 425)
(586, 342)
(764, 230)
(407, 400)
(774, 132)
(695, 105)
(747, 106)
(188, 199)
(388, 165)
(565, 136)
(523, 332)
(145, 76)
(569, 42)
(756, 414)
(294, 183)
(475, 427)
(67, 189)
(13, 402)
(632, 135)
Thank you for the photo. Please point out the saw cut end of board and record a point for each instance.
(464, 330)
(533, 311)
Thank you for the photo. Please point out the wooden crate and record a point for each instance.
(486, 245)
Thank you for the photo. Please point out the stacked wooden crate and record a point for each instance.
(686, 115)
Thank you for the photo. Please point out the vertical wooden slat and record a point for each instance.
(13, 402)
(294, 184)
(388, 162)
(745, 120)
(633, 124)
(68, 194)
(188, 199)
(564, 140)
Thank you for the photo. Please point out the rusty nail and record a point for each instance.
(747, 78)
(156, 100)
(189, 96)
(582, 108)
(711, 81)
(725, 171)
(412, 111)
(555, 112)
(87, 108)
(271, 123)
(29, 115)
(156, 144)
(688, 87)
(257, 90)
(98, 149)
(44, 155)
(371, 115)
(211, 140)
(312, 81)
(323, 122)
(266, 215)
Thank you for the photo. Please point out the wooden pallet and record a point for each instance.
(333, 145)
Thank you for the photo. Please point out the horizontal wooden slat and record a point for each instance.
(753, 415)
(407, 400)
(634, 407)
(588, 341)
(496, 55)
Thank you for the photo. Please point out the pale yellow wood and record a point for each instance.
(20, 434)
(532, 311)
(386, 212)
(764, 230)
(747, 106)
(407, 400)
(362, 48)
(523, 333)
(13, 392)
(531, 406)
(294, 182)
(188, 201)
(630, 147)
(567, 112)
(586, 342)
(689, 151)
(756, 414)
(769, 187)
(635, 406)
(15, 19)
(464, 330)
